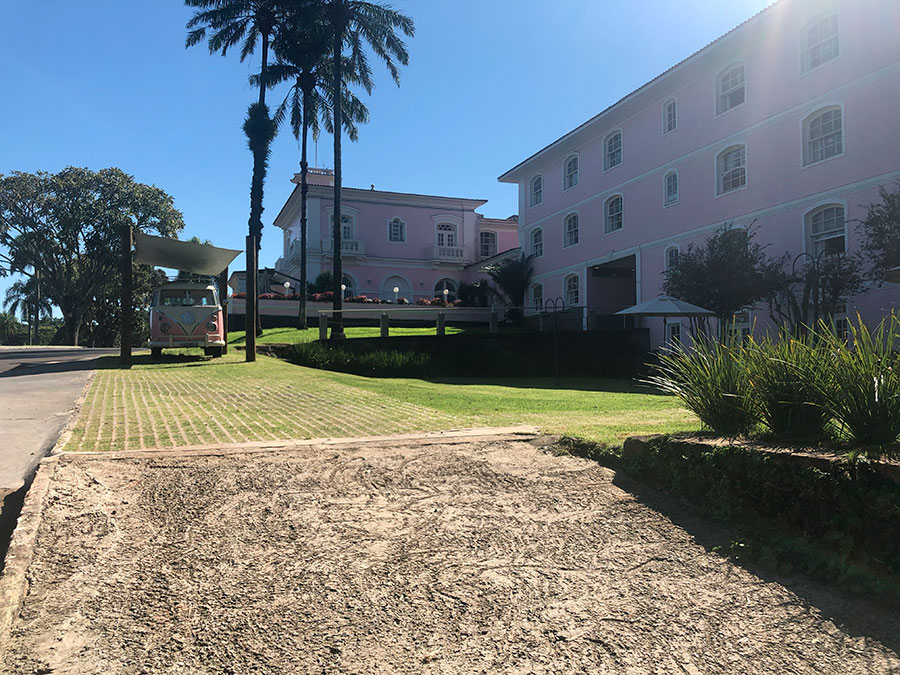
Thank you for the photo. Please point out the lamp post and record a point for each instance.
(344, 291)
(287, 287)
(446, 293)
(396, 291)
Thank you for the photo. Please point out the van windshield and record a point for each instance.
(186, 298)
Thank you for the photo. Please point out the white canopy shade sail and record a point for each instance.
(664, 306)
(182, 255)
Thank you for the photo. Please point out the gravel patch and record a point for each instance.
(468, 557)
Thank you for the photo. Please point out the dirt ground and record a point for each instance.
(475, 557)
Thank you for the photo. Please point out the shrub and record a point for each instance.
(380, 363)
(860, 383)
(783, 375)
(711, 381)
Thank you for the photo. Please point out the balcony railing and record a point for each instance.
(349, 247)
(449, 253)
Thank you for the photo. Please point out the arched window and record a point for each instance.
(730, 88)
(570, 172)
(613, 214)
(349, 285)
(672, 254)
(537, 190)
(537, 243)
(570, 232)
(671, 188)
(573, 298)
(823, 135)
(446, 234)
(820, 42)
(826, 230)
(347, 226)
(612, 150)
(445, 285)
(488, 241)
(670, 116)
(732, 168)
(397, 231)
(537, 297)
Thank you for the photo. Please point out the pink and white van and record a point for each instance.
(186, 314)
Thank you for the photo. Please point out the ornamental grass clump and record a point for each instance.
(860, 383)
(783, 379)
(711, 380)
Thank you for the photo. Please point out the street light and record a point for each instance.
(446, 293)
(396, 290)
(287, 287)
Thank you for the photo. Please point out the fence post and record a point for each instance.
(323, 327)
(494, 324)
(384, 325)
(441, 318)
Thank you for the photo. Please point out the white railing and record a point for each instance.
(454, 253)
(348, 246)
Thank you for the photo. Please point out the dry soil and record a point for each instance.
(475, 557)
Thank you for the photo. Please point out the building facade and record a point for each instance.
(789, 122)
(419, 245)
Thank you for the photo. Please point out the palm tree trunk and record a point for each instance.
(337, 326)
(304, 191)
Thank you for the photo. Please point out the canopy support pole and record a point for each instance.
(223, 302)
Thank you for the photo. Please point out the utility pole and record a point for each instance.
(127, 292)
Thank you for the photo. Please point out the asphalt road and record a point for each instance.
(38, 390)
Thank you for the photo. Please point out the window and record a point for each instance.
(841, 322)
(826, 230)
(397, 230)
(671, 182)
(613, 150)
(537, 243)
(445, 285)
(823, 136)
(446, 234)
(730, 88)
(537, 190)
(488, 241)
(740, 328)
(346, 226)
(672, 254)
(537, 297)
(732, 166)
(673, 333)
(613, 214)
(570, 174)
(821, 42)
(570, 234)
(571, 285)
(670, 116)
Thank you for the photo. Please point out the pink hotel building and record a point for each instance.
(790, 121)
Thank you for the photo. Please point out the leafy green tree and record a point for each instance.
(24, 297)
(353, 25)
(880, 233)
(727, 274)
(324, 282)
(69, 224)
(512, 278)
(10, 328)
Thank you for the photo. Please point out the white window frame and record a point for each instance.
(720, 95)
(537, 291)
(570, 178)
(673, 326)
(807, 134)
(440, 234)
(536, 198)
(567, 290)
(607, 165)
(352, 286)
(806, 47)
(720, 170)
(809, 240)
(607, 228)
(391, 223)
(450, 284)
(666, 202)
(351, 217)
(577, 230)
(665, 116)
(667, 265)
(538, 231)
(481, 243)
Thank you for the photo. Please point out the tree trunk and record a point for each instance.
(304, 191)
(337, 326)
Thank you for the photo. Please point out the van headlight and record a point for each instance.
(164, 327)
(211, 327)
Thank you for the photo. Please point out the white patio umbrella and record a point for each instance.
(665, 306)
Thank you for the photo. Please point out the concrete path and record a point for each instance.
(38, 390)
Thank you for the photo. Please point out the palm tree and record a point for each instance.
(230, 22)
(9, 327)
(353, 25)
(512, 277)
(25, 297)
(302, 48)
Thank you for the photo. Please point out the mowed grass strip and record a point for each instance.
(189, 400)
(294, 335)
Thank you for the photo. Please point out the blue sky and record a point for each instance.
(109, 83)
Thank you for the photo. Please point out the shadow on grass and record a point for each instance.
(612, 386)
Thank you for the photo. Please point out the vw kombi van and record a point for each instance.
(186, 314)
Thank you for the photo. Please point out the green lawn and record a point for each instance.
(293, 335)
(186, 399)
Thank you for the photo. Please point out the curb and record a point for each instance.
(14, 580)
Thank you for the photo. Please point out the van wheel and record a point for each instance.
(156, 352)
(214, 352)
